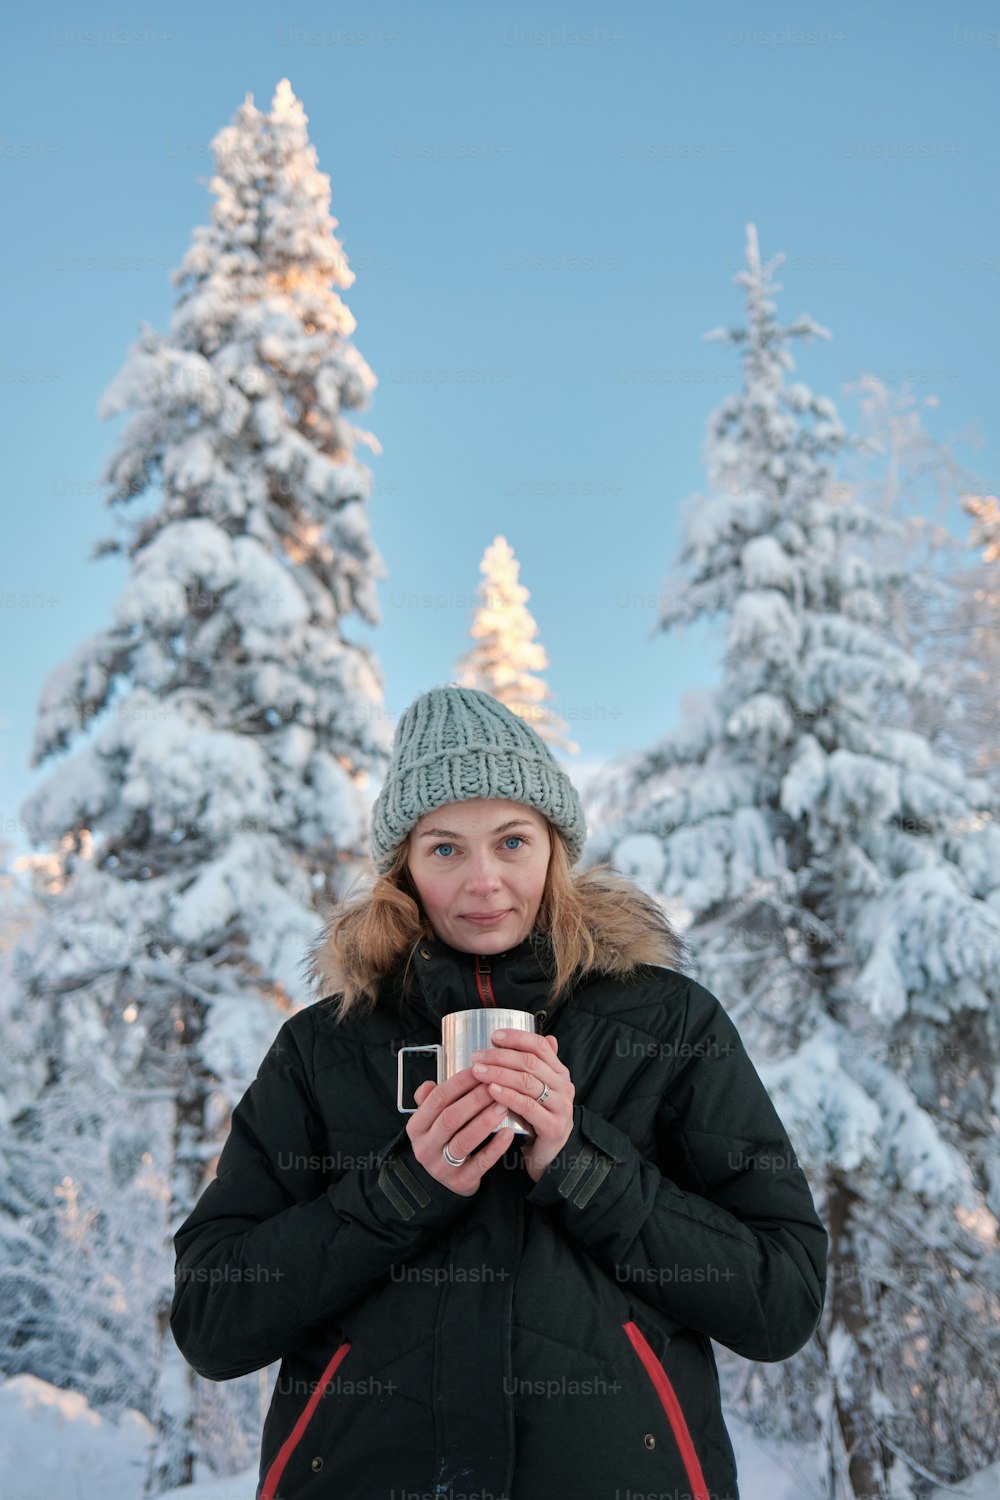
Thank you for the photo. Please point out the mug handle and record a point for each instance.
(430, 1047)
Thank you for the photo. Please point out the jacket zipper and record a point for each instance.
(483, 972)
(672, 1407)
(293, 1439)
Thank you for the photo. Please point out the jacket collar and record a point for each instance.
(441, 979)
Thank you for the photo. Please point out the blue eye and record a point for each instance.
(511, 837)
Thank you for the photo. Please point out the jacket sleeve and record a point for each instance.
(261, 1261)
(721, 1232)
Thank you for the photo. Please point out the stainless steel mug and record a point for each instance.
(462, 1033)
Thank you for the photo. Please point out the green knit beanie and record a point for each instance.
(454, 743)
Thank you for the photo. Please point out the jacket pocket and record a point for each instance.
(672, 1407)
(272, 1478)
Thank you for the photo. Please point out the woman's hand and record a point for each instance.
(515, 1072)
(460, 1114)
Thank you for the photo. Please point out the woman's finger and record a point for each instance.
(442, 1096)
(523, 1050)
(463, 1143)
(461, 1123)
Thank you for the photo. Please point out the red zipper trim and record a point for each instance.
(480, 976)
(672, 1407)
(293, 1439)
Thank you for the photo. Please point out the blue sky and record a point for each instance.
(551, 196)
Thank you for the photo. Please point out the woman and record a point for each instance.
(458, 1313)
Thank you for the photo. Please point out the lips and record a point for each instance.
(485, 916)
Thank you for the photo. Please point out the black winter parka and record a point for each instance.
(533, 1341)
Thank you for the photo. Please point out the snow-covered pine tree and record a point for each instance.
(16, 910)
(506, 657)
(221, 799)
(945, 619)
(842, 882)
(977, 618)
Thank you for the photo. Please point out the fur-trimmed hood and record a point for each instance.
(627, 927)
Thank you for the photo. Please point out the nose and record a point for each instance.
(483, 874)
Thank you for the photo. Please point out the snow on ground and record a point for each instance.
(236, 1487)
(53, 1445)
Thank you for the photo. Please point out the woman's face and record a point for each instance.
(465, 861)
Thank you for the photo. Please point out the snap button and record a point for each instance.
(317, 1464)
(541, 1017)
(424, 953)
(649, 1440)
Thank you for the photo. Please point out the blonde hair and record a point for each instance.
(592, 917)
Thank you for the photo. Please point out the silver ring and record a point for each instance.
(544, 1094)
(453, 1161)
